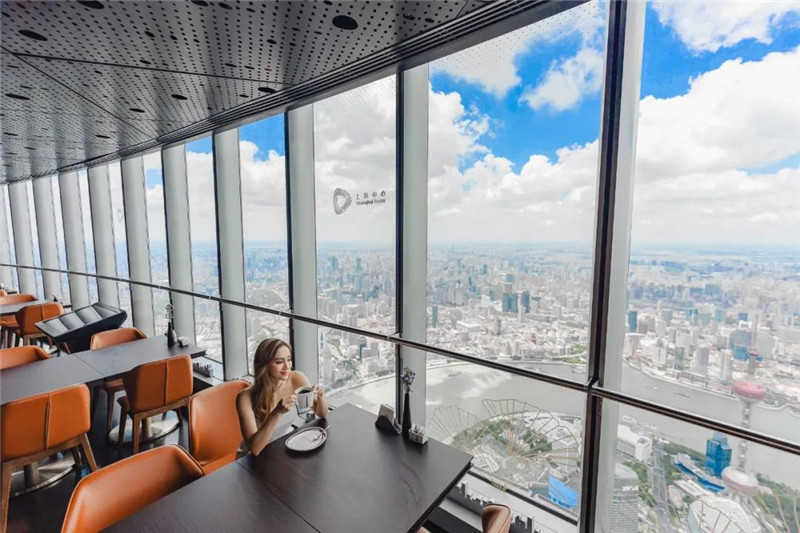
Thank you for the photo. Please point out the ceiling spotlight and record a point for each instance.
(179, 97)
(267, 90)
(344, 22)
(137, 110)
(17, 96)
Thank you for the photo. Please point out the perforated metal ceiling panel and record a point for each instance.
(91, 80)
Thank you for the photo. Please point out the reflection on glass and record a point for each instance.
(712, 323)
(673, 476)
(157, 233)
(86, 213)
(526, 438)
(354, 150)
(512, 171)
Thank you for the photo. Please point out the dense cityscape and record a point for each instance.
(716, 332)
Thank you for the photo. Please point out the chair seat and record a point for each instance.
(113, 385)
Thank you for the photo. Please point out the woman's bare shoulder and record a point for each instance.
(299, 379)
(245, 398)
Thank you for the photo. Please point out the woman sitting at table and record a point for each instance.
(272, 395)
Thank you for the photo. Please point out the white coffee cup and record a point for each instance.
(305, 399)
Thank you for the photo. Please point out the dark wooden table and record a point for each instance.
(11, 309)
(121, 358)
(44, 376)
(360, 479)
(230, 499)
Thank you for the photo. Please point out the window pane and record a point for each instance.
(120, 238)
(669, 474)
(37, 260)
(354, 150)
(512, 172)
(712, 284)
(203, 229)
(262, 155)
(157, 233)
(62, 250)
(526, 438)
(86, 212)
(356, 369)
(10, 236)
(262, 326)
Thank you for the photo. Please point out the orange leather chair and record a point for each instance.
(2, 293)
(155, 388)
(107, 496)
(214, 431)
(9, 323)
(494, 519)
(22, 355)
(27, 317)
(111, 387)
(40, 426)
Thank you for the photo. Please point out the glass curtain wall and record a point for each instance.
(86, 213)
(203, 230)
(157, 235)
(354, 151)
(37, 259)
(60, 242)
(120, 240)
(262, 163)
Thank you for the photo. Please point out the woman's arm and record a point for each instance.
(320, 406)
(256, 437)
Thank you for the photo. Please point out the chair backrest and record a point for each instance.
(117, 491)
(43, 421)
(27, 317)
(115, 336)
(496, 519)
(22, 355)
(214, 431)
(16, 299)
(159, 383)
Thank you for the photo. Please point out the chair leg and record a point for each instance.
(110, 410)
(76, 455)
(5, 495)
(137, 427)
(95, 399)
(87, 452)
(123, 419)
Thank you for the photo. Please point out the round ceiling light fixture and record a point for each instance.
(343, 22)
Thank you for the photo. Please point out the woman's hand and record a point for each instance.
(319, 392)
(286, 404)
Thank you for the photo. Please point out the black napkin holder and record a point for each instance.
(386, 421)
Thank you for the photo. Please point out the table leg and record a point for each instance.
(42, 474)
(154, 428)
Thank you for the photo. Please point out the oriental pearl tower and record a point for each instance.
(749, 392)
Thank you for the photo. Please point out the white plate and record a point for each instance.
(307, 439)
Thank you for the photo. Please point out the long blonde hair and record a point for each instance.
(264, 387)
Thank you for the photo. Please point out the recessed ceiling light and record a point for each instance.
(29, 147)
(32, 35)
(244, 96)
(267, 90)
(200, 2)
(224, 5)
(102, 136)
(272, 41)
(179, 97)
(344, 22)
(137, 110)
(144, 61)
(94, 4)
(17, 96)
(150, 34)
(10, 134)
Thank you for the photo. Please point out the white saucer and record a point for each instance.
(307, 439)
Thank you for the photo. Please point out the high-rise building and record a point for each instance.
(633, 316)
(718, 454)
(434, 315)
(625, 501)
